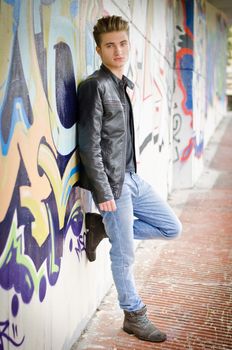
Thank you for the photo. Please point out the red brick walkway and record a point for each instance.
(187, 283)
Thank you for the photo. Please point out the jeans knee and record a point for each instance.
(174, 231)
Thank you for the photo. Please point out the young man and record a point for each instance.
(108, 170)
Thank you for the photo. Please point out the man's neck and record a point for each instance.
(117, 72)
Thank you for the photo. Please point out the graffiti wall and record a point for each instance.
(44, 274)
(187, 142)
(48, 289)
(196, 99)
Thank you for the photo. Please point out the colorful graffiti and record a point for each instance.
(183, 105)
(39, 164)
(184, 57)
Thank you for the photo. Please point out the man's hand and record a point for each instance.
(108, 205)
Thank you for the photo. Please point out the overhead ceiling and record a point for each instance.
(225, 6)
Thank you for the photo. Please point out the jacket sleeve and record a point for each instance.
(90, 113)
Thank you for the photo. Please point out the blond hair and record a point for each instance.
(109, 24)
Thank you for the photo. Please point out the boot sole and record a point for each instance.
(90, 255)
(142, 338)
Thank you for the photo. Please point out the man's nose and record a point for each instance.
(117, 50)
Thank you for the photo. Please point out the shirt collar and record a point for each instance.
(125, 81)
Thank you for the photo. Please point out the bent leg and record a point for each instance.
(155, 218)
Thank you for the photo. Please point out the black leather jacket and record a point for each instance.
(101, 134)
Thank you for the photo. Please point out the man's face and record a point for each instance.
(114, 49)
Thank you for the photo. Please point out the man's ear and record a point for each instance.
(98, 49)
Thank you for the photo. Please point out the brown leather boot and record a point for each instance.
(95, 232)
(137, 323)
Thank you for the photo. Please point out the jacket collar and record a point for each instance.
(124, 79)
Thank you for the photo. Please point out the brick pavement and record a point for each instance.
(186, 283)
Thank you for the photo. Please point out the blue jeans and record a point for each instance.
(141, 214)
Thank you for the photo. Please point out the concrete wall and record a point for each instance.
(216, 45)
(48, 289)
